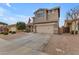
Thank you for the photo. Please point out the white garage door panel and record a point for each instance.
(45, 29)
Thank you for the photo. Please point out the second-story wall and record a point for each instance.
(45, 15)
(40, 16)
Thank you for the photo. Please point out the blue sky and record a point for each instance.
(14, 12)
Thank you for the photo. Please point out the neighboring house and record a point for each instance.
(3, 27)
(67, 26)
(72, 26)
(46, 20)
(12, 27)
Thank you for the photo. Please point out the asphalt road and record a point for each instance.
(26, 45)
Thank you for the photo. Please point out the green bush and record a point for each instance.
(20, 25)
(5, 33)
(72, 32)
(13, 32)
(76, 32)
(2, 33)
(10, 31)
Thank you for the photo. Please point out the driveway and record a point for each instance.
(29, 44)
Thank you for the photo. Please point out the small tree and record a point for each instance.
(73, 14)
(21, 26)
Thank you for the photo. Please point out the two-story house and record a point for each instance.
(46, 20)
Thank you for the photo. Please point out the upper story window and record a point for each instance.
(53, 12)
(40, 15)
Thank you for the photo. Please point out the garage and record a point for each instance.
(45, 28)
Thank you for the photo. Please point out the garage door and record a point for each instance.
(44, 29)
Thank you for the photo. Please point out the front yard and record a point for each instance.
(63, 44)
(12, 36)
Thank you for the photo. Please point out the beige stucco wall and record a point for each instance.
(12, 29)
(65, 24)
(74, 26)
(77, 25)
(2, 25)
(53, 15)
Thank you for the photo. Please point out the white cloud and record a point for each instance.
(2, 11)
(14, 19)
(11, 18)
(8, 4)
(22, 18)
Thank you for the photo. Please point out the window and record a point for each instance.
(40, 14)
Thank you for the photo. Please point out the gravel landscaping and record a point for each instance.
(64, 44)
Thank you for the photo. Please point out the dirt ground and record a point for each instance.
(12, 36)
(63, 44)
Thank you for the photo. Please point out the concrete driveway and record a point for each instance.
(26, 45)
